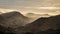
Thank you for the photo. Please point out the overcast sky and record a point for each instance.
(19, 3)
(28, 5)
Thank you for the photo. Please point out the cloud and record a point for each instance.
(43, 7)
(18, 3)
(34, 6)
(6, 10)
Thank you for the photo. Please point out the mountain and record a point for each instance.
(50, 25)
(34, 16)
(12, 23)
(13, 19)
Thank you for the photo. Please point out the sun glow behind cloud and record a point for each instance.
(42, 10)
(6, 10)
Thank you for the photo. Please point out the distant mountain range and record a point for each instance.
(34, 16)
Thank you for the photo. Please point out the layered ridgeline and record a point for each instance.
(50, 25)
(12, 23)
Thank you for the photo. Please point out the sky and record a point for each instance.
(19, 3)
(34, 6)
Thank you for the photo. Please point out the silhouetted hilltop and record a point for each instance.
(13, 19)
(43, 26)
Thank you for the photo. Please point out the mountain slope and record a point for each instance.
(13, 19)
(43, 25)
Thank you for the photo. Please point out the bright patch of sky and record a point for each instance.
(35, 6)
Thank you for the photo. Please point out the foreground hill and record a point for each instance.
(50, 25)
(12, 20)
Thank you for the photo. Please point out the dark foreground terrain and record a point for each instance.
(12, 23)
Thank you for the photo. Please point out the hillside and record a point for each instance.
(13, 22)
(50, 25)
